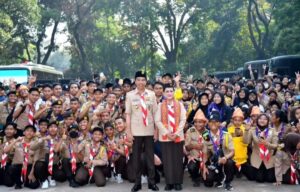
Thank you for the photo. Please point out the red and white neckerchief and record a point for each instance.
(144, 110)
(51, 157)
(30, 115)
(264, 152)
(294, 179)
(126, 149)
(25, 162)
(91, 158)
(171, 118)
(93, 153)
(73, 159)
(4, 157)
(201, 154)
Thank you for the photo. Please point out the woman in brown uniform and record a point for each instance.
(170, 119)
(264, 141)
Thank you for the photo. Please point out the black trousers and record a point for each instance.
(130, 170)
(144, 144)
(172, 158)
(229, 170)
(99, 175)
(16, 170)
(262, 174)
(286, 178)
(245, 170)
(41, 171)
(120, 165)
(6, 176)
(193, 168)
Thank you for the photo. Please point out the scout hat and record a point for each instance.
(200, 116)
(255, 110)
(238, 113)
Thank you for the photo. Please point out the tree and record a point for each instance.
(259, 17)
(24, 15)
(287, 27)
(51, 16)
(165, 23)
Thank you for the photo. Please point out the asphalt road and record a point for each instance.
(240, 185)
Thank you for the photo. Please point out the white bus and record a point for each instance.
(20, 73)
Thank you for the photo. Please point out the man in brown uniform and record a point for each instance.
(140, 109)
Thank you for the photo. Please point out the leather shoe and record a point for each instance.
(136, 187)
(168, 187)
(153, 187)
(177, 187)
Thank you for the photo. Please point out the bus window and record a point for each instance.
(18, 75)
(285, 65)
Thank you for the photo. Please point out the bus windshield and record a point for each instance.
(17, 75)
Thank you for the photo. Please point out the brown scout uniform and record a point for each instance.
(192, 137)
(133, 108)
(227, 144)
(250, 137)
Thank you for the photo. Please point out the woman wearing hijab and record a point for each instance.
(218, 104)
(203, 103)
(264, 141)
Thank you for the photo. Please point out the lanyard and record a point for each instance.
(215, 143)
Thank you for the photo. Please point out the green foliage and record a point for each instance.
(118, 37)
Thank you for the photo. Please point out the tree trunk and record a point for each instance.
(52, 43)
(86, 72)
(260, 53)
(171, 61)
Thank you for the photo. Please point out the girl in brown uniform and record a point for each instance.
(264, 141)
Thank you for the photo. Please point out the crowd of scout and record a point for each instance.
(87, 133)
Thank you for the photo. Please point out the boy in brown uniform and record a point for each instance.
(23, 159)
(46, 166)
(7, 108)
(218, 153)
(95, 161)
(194, 146)
(6, 158)
(24, 111)
(72, 154)
(124, 165)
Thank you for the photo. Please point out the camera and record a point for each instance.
(214, 161)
